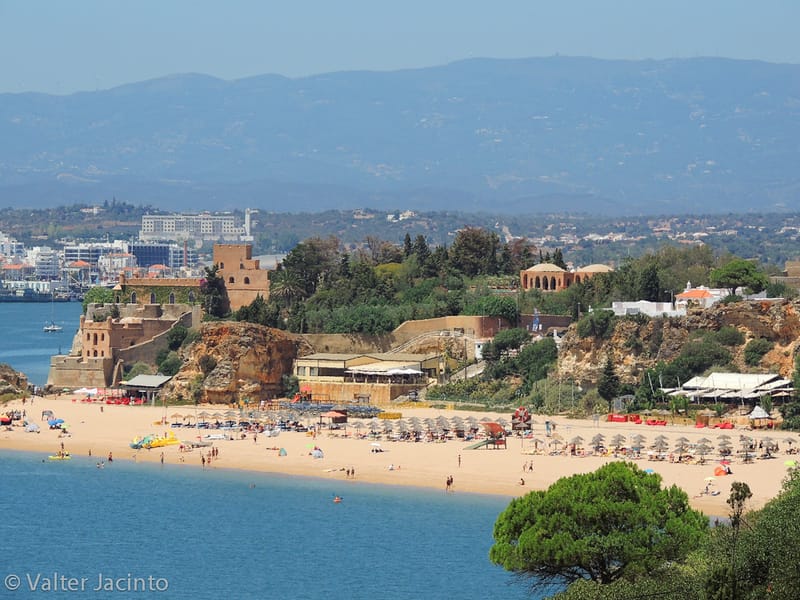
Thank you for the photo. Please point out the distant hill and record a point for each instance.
(528, 135)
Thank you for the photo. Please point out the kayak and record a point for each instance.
(67, 457)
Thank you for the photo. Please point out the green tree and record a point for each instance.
(511, 339)
(739, 273)
(175, 336)
(212, 290)
(97, 295)
(614, 523)
(608, 385)
(495, 306)
(474, 252)
(649, 284)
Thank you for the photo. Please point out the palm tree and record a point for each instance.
(285, 287)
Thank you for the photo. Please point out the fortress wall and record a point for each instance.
(73, 372)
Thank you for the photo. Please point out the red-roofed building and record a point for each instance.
(699, 296)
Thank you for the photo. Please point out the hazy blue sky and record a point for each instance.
(61, 46)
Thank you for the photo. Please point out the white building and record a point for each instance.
(645, 307)
(200, 227)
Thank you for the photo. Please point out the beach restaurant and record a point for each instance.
(381, 377)
(146, 386)
(729, 388)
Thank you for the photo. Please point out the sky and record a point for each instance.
(64, 46)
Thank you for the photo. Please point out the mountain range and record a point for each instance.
(522, 136)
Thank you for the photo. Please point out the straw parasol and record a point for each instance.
(597, 441)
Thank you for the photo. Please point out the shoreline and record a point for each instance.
(103, 428)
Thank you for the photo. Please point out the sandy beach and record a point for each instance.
(102, 429)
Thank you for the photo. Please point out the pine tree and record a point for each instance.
(608, 385)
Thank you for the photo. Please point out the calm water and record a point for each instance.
(212, 534)
(25, 346)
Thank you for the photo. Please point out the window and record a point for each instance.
(152, 298)
(191, 296)
(133, 298)
(247, 281)
(230, 280)
(172, 298)
(312, 371)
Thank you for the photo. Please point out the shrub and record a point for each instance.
(139, 368)
(207, 363)
(755, 350)
(729, 336)
(171, 364)
(192, 335)
(598, 323)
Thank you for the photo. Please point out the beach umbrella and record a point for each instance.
(176, 417)
(704, 440)
(702, 450)
(660, 446)
(597, 441)
(661, 438)
(618, 440)
(503, 422)
(576, 441)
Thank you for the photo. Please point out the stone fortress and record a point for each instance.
(135, 328)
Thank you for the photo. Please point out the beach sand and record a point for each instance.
(423, 464)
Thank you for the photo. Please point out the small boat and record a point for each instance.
(52, 328)
(65, 456)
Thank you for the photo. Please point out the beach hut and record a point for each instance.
(759, 418)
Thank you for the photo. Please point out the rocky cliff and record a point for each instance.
(12, 382)
(233, 361)
(639, 343)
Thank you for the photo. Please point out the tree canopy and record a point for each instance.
(739, 273)
(614, 523)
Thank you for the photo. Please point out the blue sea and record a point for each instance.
(176, 531)
(25, 346)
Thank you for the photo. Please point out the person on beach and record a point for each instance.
(110, 457)
(203, 460)
(162, 458)
(459, 460)
(521, 481)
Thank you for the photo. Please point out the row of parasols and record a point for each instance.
(724, 444)
(376, 425)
